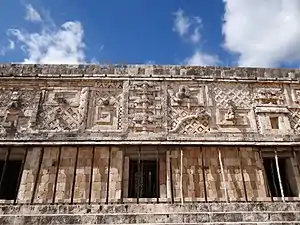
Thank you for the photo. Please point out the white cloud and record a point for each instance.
(32, 15)
(189, 28)
(8, 47)
(202, 59)
(195, 36)
(264, 33)
(181, 23)
(52, 44)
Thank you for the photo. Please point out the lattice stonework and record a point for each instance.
(238, 94)
(60, 111)
(59, 118)
(189, 122)
(294, 117)
(176, 114)
(194, 126)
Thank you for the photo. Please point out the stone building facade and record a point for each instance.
(137, 144)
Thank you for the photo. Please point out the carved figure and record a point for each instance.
(12, 112)
(182, 93)
(230, 114)
(14, 104)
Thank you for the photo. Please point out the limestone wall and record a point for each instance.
(218, 188)
(70, 179)
(115, 176)
(29, 176)
(83, 175)
(87, 173)
(46, 180)
(100, 171)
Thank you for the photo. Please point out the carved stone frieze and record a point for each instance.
(106, 109)
(181, 95)
(237, 93)
(18, 110)
(105, 103)
(187, 114)
(197, 122)
(268, 95)
(62, 110)
(144, 107)
(295, 95)
(294, 118)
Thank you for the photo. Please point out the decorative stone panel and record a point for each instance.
(106, 104)
(60, 110)
(144, 107)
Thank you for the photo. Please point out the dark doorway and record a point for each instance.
(143, 179)
(272, 177)
(8, 190)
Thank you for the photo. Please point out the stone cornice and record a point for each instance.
(147, 71)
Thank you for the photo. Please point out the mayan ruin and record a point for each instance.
(146, 144)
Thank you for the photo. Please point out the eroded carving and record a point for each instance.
(230, 116)
(17, 110)
(61, 110)
(187, 114)
(294, 118)
(83, 107)
(145, 107)
(269, 96)
(182, 93)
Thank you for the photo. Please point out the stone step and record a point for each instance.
(201, 213)
(151, 218)
(149, 208)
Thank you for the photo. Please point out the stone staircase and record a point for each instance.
(188, 213)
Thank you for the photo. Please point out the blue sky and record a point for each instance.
(259, 33)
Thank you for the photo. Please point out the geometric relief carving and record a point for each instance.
(145, 107)
(60, 110)
(106, 103)
(236, 93)
(294, 117)
(295, 93)
(193, 124)
(17, 110)
(268, 95)
(187, 114)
